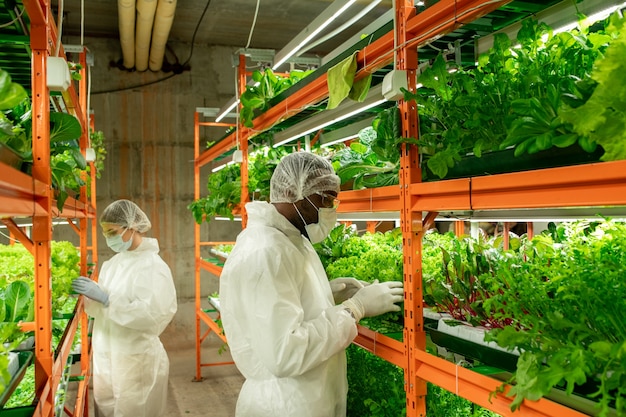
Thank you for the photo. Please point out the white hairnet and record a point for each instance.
(127, 214)
(301, 174)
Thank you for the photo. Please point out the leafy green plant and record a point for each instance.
(66, 159)
(511, 99)
(97, 139)
(374, 160)
(375, 386)
(262, 164)
(267, 86)
(11, 94)
(14, 124)
(224, 186)
(600, 115)
(555, 295)
(369, 257)
(224, 195)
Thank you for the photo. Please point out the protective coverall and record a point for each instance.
(285, 334)
(130, 365)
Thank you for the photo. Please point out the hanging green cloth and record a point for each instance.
(341, 84)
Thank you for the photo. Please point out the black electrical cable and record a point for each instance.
(195, 32)
(193, 40)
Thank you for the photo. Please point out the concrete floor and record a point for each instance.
(216, 395)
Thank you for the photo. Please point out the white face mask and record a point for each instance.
(117, 244)
(326, 220)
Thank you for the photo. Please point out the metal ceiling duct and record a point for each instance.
(146, 10)
(126, 15)
(162, 25)
(144, 28)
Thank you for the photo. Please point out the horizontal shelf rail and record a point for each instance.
(380, 345)
(600, 184)
(479, 389)
(208, 266)
(597, 184)
(370, 200)
(213, 326)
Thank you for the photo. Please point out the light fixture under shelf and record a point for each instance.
(345, 133)
(325, 118)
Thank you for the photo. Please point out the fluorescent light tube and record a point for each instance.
(329, 122)
(227, 110)
(345, 133)
(317, 25)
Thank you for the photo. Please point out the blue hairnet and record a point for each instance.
(301, 174)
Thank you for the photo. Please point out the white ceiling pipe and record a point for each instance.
(145, 19)
(126, 15)
(160, 32)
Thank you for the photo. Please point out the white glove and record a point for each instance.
(375, 299)
(344, 288)
(90, 289)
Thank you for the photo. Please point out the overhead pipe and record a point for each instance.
(160, 32)
(126, 16)
(145, 19)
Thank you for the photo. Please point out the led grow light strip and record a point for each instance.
(319, 23)
(329, 122)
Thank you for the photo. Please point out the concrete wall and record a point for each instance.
(149, 135)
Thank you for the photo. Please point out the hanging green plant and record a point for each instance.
(268, 85)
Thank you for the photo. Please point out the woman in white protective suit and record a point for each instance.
(131, 304)
(287, 326)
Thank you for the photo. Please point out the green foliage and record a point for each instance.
(601, 116)
(17, 264)
(24, 393)
(11, 94)
(374, 160)
(511, 99)
(224, 195)
(262, 164)
(268, 85)
(375, 386)
(556, 295)
(15, 128)
(376, 389)
(224, 186)
(370, 257)
(442, 403)
(66, 160)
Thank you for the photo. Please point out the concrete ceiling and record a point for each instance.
(227, 22)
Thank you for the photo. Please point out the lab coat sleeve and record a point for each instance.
(148, 303)
(287, 344)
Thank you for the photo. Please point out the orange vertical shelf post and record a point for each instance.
(410, 221)
(243, 146)
(42, 224)
(201, 159)
(196, 195)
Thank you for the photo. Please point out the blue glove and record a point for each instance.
(90, 289)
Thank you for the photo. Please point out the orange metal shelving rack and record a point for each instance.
(22, 195)
(418, 204)
(201, 159)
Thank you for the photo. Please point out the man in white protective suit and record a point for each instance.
(287, 326)
(132, 303)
